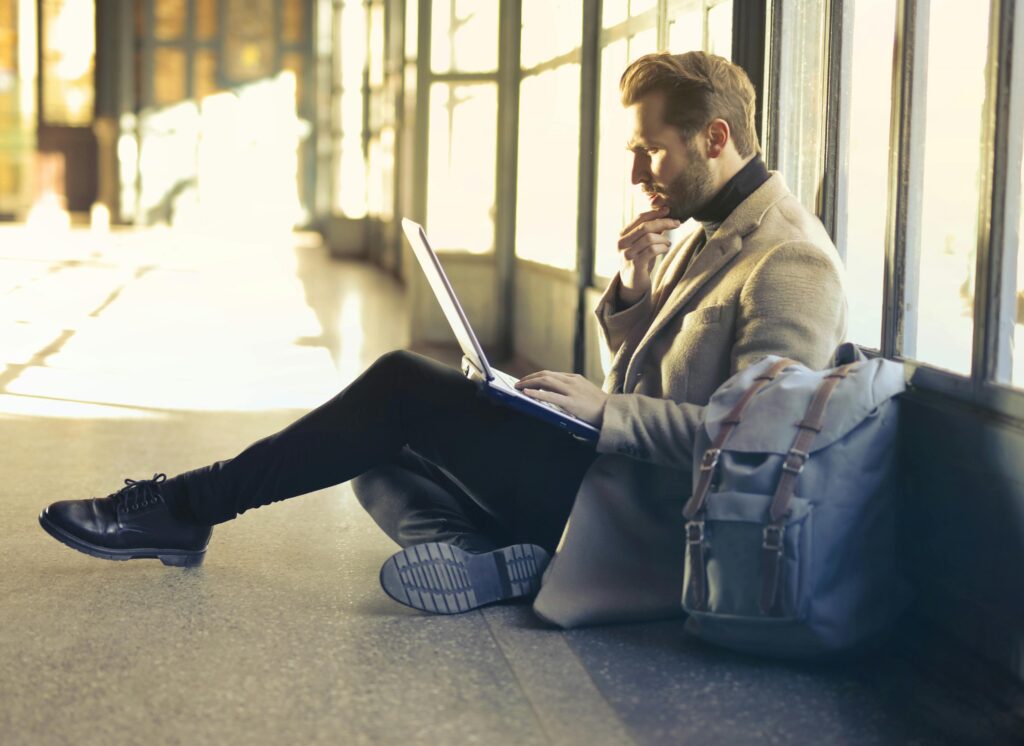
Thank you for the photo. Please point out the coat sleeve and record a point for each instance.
(615, 324)
(791, 305)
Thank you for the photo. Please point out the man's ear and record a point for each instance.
(718, 137)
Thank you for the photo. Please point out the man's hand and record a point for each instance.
(639, 244)
(571, 391)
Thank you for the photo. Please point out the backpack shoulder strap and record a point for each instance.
(808, 429)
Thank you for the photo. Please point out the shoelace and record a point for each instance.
(138, 494)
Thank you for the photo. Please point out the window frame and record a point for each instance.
(999, 195)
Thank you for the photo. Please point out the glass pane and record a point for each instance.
(636, 7)
(686, 29)
(376, 49)
(550, 29)
(206, 20)
(169, 19)
(461, 166)
(168, 75)
(944, 306)
(464, 36)
(643, 43)
(547, 194)
(613, 163)
(802, 101)
(293, 21)
(352, 113)
(614, 11)
(720, 29)
(867, 166)
(353, 45)
(68, 56)
(204, 74)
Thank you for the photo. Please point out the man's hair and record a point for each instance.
(697, 87)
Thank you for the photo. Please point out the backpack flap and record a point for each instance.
(772, 415)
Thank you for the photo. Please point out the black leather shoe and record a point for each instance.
(443, 579)
(132, 523)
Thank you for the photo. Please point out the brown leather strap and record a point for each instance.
(695, 529)
(710, 459)
(808, 429)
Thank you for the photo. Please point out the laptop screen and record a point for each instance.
(446, 296)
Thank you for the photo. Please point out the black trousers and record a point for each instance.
(432, 458)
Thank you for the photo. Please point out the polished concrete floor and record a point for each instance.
(142, 352)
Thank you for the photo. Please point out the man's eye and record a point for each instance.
(653, 151)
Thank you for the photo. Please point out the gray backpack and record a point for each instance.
(791, 528)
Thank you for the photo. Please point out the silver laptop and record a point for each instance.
(496, 384)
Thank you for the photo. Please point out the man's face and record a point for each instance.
(671, 170)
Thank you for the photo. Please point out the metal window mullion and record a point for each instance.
(773, 60)
(590, 70)
(662, 25)
(837, 125)
(422, 134)
(906, 171)
(507, 153)
(146, 89)
(996, 269)
(457, 77)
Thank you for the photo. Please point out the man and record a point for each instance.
(479, 494)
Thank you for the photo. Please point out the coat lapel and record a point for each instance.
(684, 277)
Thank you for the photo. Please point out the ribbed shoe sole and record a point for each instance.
(444, 579)
(172, 557)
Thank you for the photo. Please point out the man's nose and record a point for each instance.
(641, 168)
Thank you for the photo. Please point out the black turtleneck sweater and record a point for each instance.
(738, 188)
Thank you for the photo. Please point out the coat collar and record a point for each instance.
(684, 276)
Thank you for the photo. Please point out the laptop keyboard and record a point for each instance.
(511, 381)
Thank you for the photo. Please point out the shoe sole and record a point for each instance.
(444, 579)
(172, 557)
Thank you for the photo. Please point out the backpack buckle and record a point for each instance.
(710, 459)
(695, 532)
(795, 460)
(773, 535)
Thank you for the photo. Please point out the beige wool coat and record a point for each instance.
(769, 281)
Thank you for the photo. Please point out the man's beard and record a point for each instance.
(690, 191)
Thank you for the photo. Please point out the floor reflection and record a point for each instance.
(135, 323)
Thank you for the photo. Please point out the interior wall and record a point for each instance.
(544, 315)
(964, 523)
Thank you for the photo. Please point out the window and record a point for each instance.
(463, 125)
(866, 164)
(350, 164)
(461, 166)
(464, 36)
(940, 304)
(547, 185)
(800, 134)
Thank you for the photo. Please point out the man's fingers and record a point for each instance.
(548, 396)
(559, 382)
(647, 228)
(643, 217)
(657, 243)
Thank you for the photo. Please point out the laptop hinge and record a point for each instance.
(471, 371)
